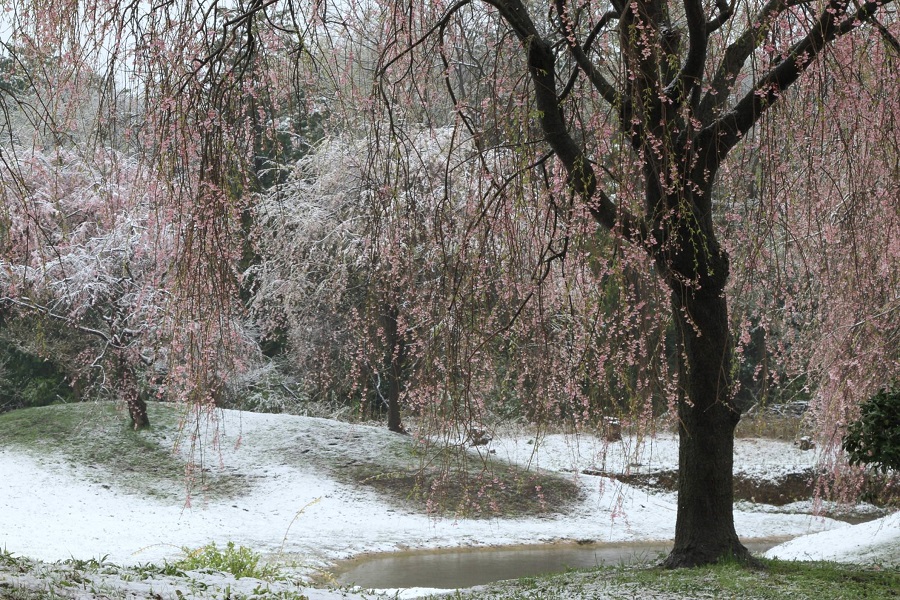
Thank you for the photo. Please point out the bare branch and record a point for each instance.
(46, 311)
(579, 53)
(581, 176)
(726, 11)
(692, 71)
(725, 132)
(737, 54)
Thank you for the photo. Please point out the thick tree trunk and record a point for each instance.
(704, 528)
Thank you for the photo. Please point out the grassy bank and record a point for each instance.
(282, 462)
(96, 439)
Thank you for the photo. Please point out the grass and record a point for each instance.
(448, 481)
(233, 573)
(787, 428)
(777, 580)
(453, 481)
(479, 491)
(97, 437)
(238, 561)
(209, 572)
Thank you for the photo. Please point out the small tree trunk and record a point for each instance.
(704, 528)
(137, 408)
(396, 357)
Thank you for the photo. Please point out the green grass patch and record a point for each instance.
(472, 488)
(208, 573)
(239, 561)
(776, 580)
(97, 439)
(441, 480)
(456, 482)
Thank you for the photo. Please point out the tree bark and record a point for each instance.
(396, 356)
(704, 527)
(137, 408)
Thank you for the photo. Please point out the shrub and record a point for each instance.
(874, 438)
(240, 561)
(27, 379)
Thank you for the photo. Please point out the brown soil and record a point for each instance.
(779, 491)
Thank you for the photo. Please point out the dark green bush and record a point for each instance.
(874, 438)
(27, 380)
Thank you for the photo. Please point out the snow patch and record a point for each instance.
(875, 542)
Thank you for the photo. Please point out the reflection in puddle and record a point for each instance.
(450, 569)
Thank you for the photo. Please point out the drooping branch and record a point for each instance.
(439, 26)
(887, 35)
(721, 136)
(737, 53)
(637, 28)
(581, 175)
(231, 30)
(579, 53)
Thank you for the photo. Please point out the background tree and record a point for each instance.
(125, 76)
(81, 261)
(353, 283)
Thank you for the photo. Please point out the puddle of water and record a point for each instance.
(451, 569)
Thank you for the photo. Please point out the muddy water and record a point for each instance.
(450, 569)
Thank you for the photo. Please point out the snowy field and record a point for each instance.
(52, 509)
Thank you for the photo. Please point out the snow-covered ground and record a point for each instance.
(53, 510)
(875, 542)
